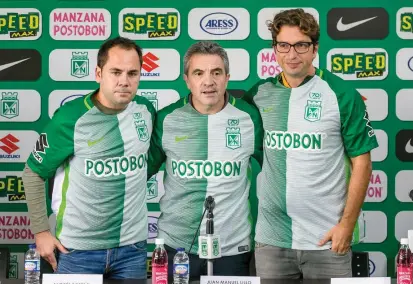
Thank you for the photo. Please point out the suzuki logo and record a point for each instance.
(9, 141)
(148, 62)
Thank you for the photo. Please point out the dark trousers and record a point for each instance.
(235, 265)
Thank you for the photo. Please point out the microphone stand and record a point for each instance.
(210, 234)
(205, 242)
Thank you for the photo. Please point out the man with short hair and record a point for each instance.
(96, 148)
(317, 166)
(207, 140)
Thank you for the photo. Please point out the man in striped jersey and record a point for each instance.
(207, 140)
(96, 148)
(316, 168)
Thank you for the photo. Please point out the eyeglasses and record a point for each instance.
(300, 47)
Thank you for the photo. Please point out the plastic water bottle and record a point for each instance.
(181, 267)
(32, 266)
(159, 263)
(404, 263)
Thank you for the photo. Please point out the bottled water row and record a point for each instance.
(160, 265)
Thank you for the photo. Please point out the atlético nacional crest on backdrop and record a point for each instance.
(152, 188)
(152, 97)
(80, 64)
(9, 105)
(141, 127)
(233, 134)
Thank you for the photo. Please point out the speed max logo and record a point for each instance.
(20, 24)
(358, 64)
(149, 24)
(404, 23)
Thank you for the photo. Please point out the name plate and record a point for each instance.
(230, 280)
(361, 280)
(72, 279)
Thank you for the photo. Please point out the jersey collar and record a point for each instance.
(228, 99)
(88, 99)
(91, 101)
(281, 78)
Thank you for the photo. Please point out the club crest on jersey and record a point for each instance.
(142, 130)
(141, 127)
(312, 111)
(233, 136)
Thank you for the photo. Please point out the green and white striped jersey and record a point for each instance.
(100, 160)
(206, 155)
(310, 132)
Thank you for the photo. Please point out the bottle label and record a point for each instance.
(404, 275)
(32, 265)
(160, 274)
(181, 269)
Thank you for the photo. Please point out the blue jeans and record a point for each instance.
(127, 262)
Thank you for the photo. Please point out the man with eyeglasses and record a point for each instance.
(316, 168)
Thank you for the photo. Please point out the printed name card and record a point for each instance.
(72, 279)
(361, 280)
(230, 280)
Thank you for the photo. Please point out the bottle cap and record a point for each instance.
(159, 241)
(32, 246)
(180, 249)
(404, 241)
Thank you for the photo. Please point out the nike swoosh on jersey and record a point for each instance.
(8, 65)
(345, 27)
(409, 147)
(181, 138)
(91, 143)
(267, 109)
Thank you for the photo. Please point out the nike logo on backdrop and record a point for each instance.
(8, 65)
(345, 27)
(409, 147)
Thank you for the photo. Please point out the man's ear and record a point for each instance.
(186, 81)
(98, 74)
(315, 50)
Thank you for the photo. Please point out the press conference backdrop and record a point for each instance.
(48, 54)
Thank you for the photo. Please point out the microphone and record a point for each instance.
(209, 203)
